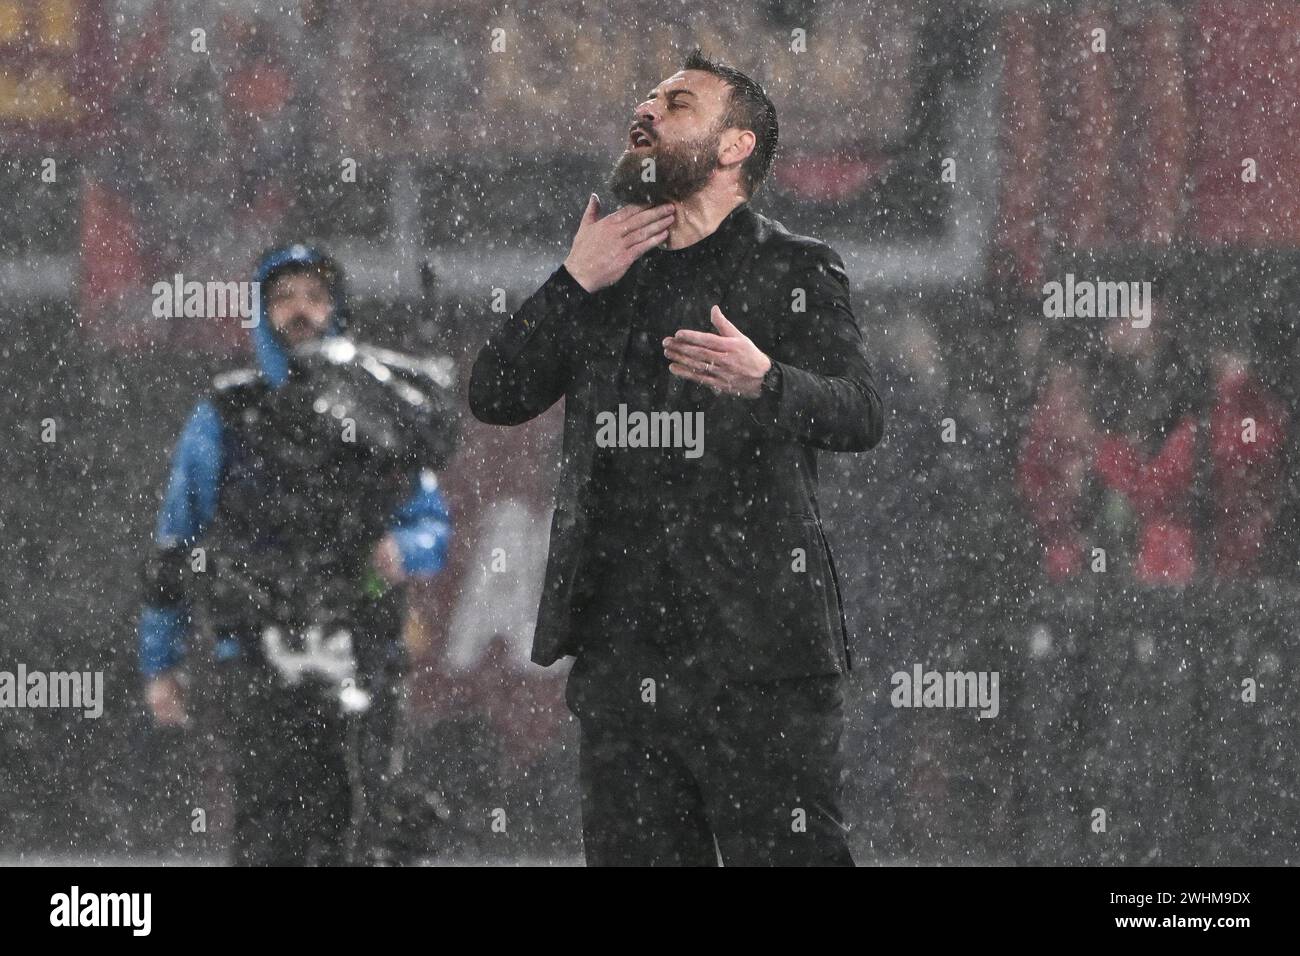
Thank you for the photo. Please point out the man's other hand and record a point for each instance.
(728, 363)
(604, 249)
(387, 560)
(165, 696)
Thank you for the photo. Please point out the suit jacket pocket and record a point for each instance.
(776, 610)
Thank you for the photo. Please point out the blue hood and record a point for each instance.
(272, 354)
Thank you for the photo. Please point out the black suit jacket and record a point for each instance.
(756, 542)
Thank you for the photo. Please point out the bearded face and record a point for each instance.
(300, 307)
(679, 169)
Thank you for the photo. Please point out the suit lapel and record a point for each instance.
(731, 260)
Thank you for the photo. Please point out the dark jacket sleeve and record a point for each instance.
(827, 396)
(524, 368)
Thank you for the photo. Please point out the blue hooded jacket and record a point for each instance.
(421, 525)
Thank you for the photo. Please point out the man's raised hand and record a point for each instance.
(604, 249)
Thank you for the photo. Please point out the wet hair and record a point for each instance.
(748, 108)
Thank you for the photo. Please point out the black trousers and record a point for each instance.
(295, 799)
(746, 774)
(679, 765)
(287, 749)
(307, 783)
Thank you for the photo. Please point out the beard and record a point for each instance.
(680, 171)
(298, 330)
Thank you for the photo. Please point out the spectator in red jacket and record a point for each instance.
(1054, 461)
(1147, 456)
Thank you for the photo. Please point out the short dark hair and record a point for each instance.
(749, 108)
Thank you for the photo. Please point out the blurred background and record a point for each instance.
(959, 155)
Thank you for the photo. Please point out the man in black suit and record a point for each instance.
(705, 355)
